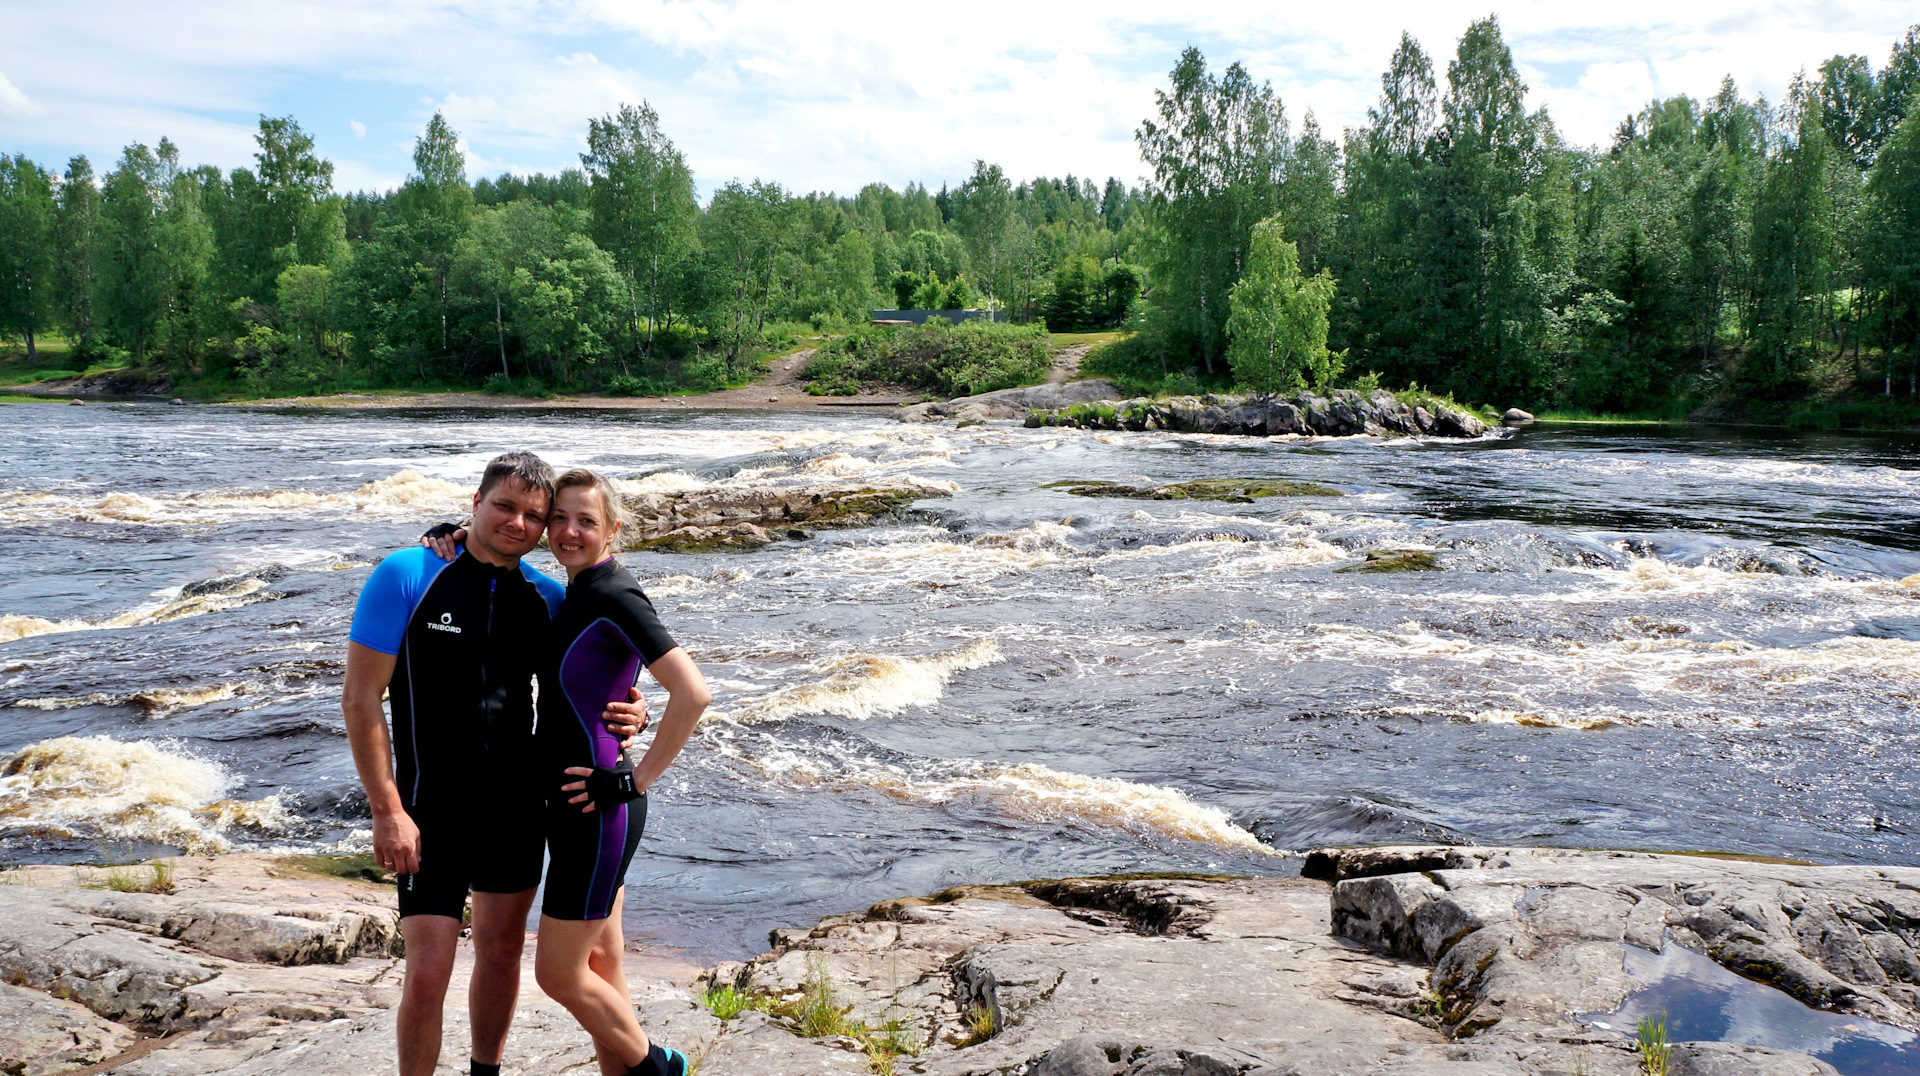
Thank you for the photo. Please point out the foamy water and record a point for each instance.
(97, 788)
(1631, 639)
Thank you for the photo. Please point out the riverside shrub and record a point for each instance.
(957, 360)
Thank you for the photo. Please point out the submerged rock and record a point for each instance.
(1395, 560)
(1341, 413)
(1233, 490)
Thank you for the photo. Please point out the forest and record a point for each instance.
(1727, 257)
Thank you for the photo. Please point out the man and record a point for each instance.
(455, 804)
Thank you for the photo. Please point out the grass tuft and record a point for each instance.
(1655, 1050)
(154, 877)
(815, 1012)
(979, 1025)
(726, 1002)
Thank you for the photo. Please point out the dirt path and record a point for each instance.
(1066, 363)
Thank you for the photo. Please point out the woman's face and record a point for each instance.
(578, 531)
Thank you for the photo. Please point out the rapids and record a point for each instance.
(1638, 638)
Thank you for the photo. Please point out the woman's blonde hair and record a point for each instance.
(616, 509)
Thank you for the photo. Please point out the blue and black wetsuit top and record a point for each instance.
(467, 638)
(605, 632)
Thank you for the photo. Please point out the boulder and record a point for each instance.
(737, 518)
(1013, 403)
(1516, 417)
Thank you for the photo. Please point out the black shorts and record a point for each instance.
(487, 852)
(587, 857)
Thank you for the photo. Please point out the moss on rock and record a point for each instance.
(1395, 560)
(1231, 490)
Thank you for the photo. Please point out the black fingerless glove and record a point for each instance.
(611, 788)
(441, 530)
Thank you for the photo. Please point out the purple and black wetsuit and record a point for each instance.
(604, 633)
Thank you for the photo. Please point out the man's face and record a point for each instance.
(508, 519)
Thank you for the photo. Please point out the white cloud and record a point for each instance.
(13, 103)
(830, 100)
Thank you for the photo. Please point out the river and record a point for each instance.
(1639, 637)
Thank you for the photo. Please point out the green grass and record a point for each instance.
(154, 877)
(1655, 1050)
(1099, 339)
(958, 360)
(1672, 413)
(726, 1002)
(979, 1025)
(815, 1013)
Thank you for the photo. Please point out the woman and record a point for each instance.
(603, 634)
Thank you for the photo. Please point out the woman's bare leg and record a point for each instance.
(604, 960)
(560, 966)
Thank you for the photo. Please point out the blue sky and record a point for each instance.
(820, 96)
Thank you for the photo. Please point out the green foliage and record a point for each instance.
(154, 877)
(27, 252)
(726, 1002)
(979, 1025)
(644, 211)
(1084, 296)
(959, 360)
(1138, 368)
(1655, 1051)
(1218, 148)
(530, 387)
(1755, 258)
(1278, 326)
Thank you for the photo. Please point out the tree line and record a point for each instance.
(1724, 249)
(612, 274)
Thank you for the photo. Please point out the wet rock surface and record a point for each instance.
(1341, 413)
(1395, 560)
(1012, 403)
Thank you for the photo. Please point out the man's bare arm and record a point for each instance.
(396, 840)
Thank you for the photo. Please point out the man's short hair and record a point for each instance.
(523, 467)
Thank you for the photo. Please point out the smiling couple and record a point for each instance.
(466, 789)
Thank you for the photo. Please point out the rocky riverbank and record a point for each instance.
(1341, 413)
(1426, 961)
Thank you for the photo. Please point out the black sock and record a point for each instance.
(656, 1063)
(475, 1068)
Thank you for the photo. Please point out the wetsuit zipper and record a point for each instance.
(486, 674)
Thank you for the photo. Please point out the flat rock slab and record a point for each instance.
(42, 1035)
(1426, 961)
(1519, 936)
